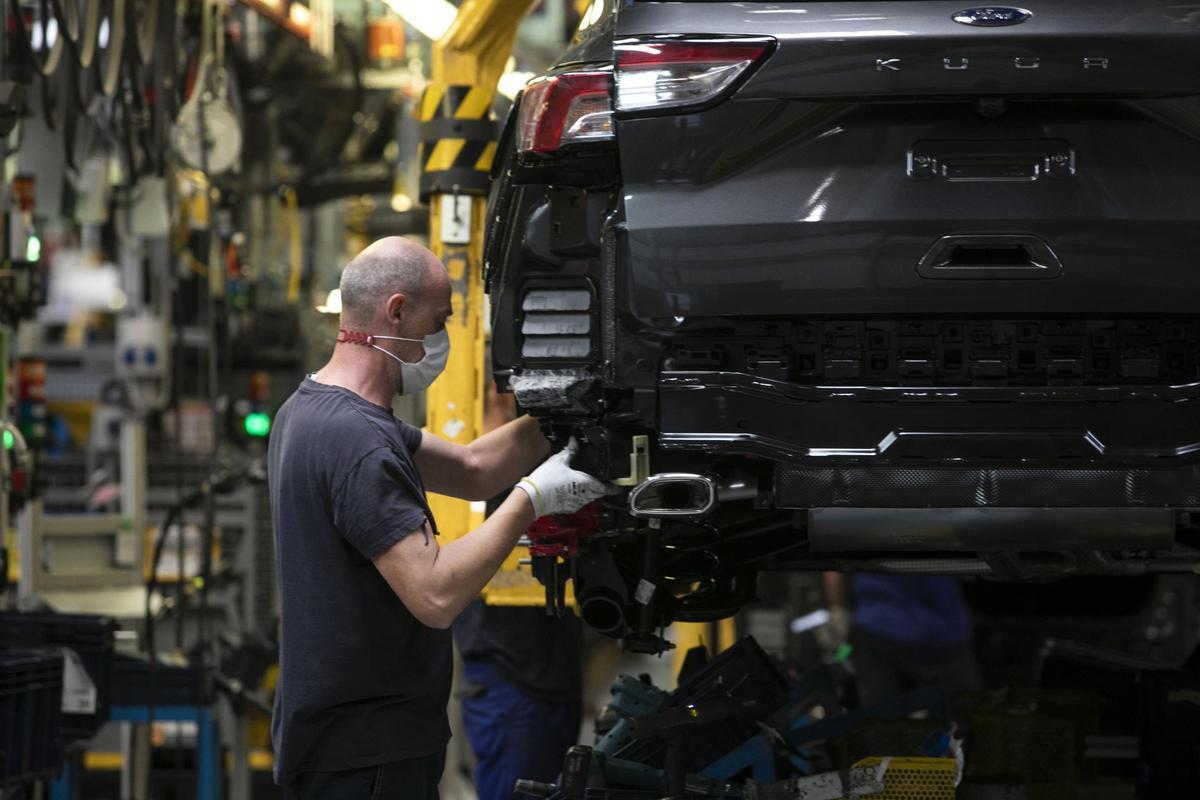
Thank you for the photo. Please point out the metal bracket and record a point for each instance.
(639, 462)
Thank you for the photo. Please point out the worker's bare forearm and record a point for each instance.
(504, 456)
(463, 567)
(835, 589)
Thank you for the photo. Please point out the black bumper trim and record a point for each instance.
(1061, 427)
(983, 529)
(798, 486)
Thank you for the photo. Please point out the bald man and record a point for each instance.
(367, 592)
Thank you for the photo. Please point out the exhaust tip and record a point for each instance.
(673, 494)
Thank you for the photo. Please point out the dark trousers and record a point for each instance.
(514, 734)
(885, 668)
(410, 779)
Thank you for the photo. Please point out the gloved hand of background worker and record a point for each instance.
(556, 488)
(836, 631)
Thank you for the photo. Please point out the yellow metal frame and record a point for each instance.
(467, 64)
(716, 637)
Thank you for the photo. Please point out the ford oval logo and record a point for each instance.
(992, 16)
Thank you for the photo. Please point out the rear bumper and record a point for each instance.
(972, 486)
(945, 447)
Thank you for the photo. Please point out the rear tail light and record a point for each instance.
(657, 74)
(570, 108)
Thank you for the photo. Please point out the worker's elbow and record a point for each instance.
(435, 612)
(435, 620)
(441, 619)
(427, 605)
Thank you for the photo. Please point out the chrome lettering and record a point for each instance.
(961, 63)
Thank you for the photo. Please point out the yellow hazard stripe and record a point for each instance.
(431, 101)
(444, 154)
(460, 102)
(484, 164)
(475, 105)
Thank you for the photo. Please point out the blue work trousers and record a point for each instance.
(514, 734)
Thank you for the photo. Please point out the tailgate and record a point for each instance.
(886, 159)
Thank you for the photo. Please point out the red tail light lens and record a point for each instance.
(656, 74)
(558, 110)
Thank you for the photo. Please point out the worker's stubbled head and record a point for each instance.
(397, 293)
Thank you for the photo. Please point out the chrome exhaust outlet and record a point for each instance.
(669, 495)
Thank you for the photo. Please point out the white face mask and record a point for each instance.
(416, 375)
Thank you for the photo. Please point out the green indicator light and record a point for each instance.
(843, 653)
(9, 440)
(33, 249)
(258, 424)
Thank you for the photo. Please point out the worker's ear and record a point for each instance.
(395, 307)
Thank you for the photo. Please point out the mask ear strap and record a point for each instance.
(397, 338)
(354, 337)
(390, 355)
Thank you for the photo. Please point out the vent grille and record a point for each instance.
(557, 324)
(557, 300)
(550, 324)
(965, 352)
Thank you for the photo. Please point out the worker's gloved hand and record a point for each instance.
(556, 488)
(836, 632)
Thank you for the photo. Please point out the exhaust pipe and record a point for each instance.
(601, 592)
(673, 494)
(603, 611)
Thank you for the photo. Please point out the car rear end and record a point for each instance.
(925, 274)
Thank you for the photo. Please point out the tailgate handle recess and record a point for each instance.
(990, 257)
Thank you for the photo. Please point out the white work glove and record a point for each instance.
(836, 632)
(556, 488)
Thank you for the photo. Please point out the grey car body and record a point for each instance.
(920, 291)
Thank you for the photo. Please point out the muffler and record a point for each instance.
(669, 495)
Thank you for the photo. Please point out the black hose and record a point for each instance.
(84, 46)
(217, 483)
(48, 61)
(151, 587)
(108, 74)
(146, 19)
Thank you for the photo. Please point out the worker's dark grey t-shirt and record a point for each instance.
(362, 681)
